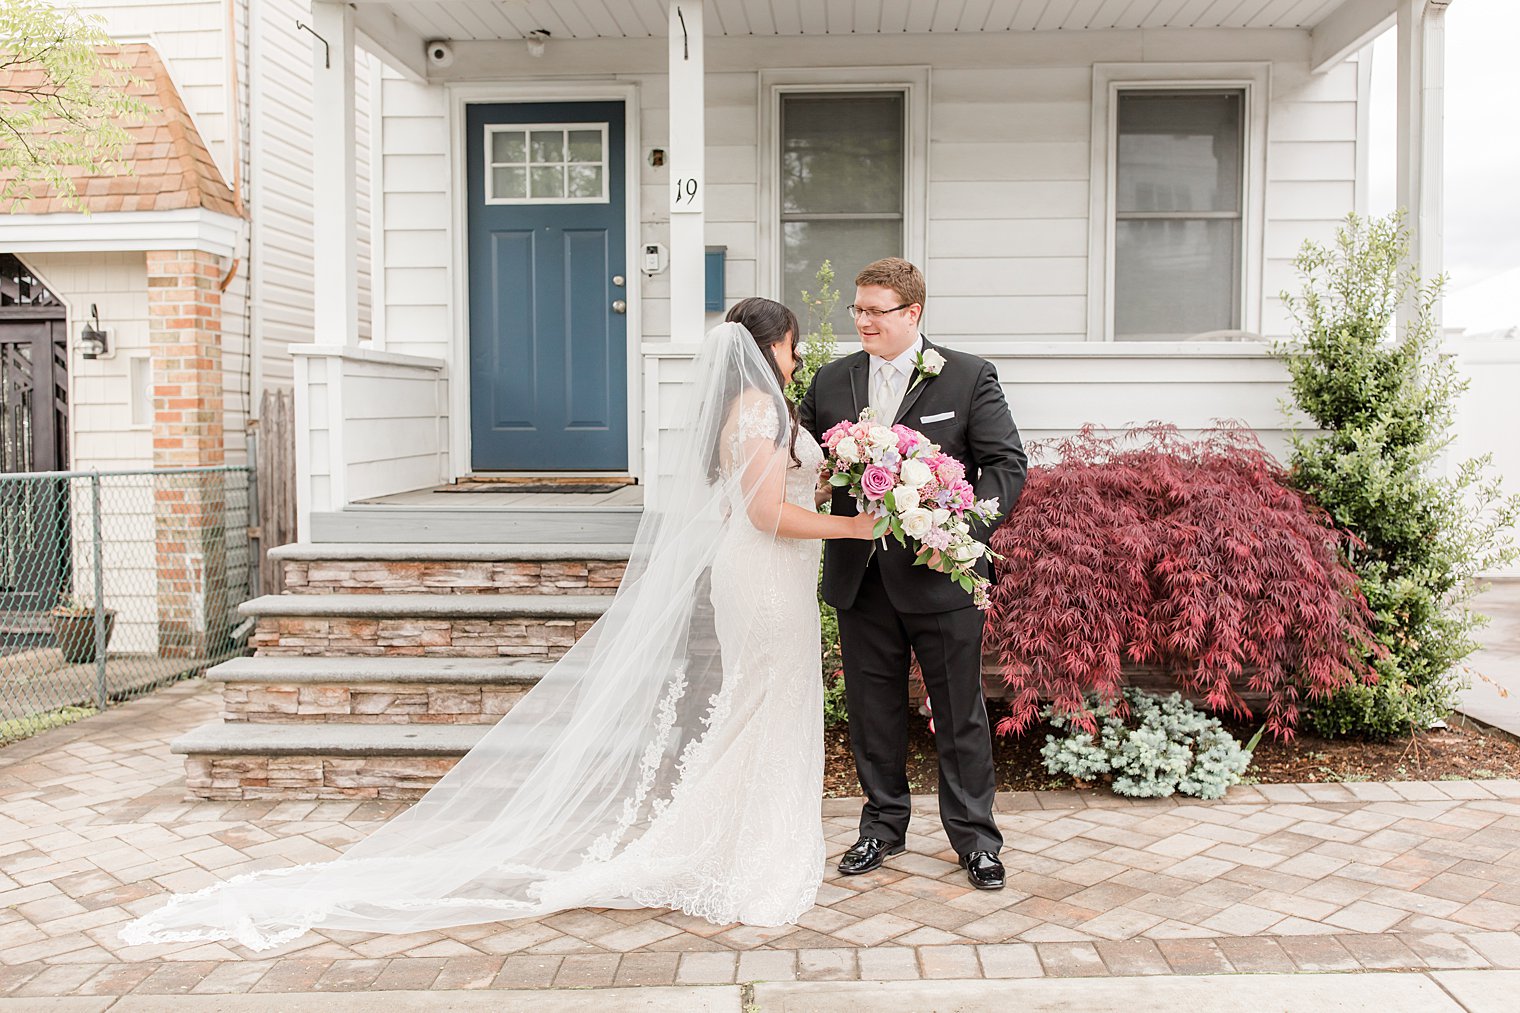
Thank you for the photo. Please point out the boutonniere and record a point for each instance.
(928, 363)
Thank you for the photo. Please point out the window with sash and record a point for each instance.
(1179, 162)
(842, 188)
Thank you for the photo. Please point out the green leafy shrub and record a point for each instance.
(818, 345)
(1384, 407)
(1162, 746)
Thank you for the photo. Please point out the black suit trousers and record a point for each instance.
(877, 642)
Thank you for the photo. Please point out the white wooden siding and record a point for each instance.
(282, 188)
(1008, 174)
(101, 435)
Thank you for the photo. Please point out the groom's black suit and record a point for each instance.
(888, 607)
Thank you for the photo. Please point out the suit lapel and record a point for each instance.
(858, 382)
(913, 395)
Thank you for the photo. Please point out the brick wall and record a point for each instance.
(185, 338)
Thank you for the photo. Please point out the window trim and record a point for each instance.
(1254, 80)
(912, 83)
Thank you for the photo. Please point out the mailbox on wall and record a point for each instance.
(716, 255)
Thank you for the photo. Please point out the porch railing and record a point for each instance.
(114, 583)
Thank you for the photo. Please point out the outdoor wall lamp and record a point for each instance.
(92, 340)
(536, 40)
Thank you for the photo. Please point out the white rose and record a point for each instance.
(917, 522)
(967, 553)
(848, 450)
(941, 517)
(906, 497)
(882, 437)
(914, 473)
(931, 362)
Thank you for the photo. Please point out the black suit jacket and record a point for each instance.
(977, 430)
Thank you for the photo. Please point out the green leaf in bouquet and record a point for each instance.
(890, 501)
(839, 480)
(883, 525)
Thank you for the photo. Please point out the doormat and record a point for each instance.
(580, 488)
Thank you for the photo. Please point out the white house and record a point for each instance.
(1105, 196)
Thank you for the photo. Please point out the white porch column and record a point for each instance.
(688, 150)
(335, 224)
(1421, 108)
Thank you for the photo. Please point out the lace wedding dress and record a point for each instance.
(742, 837)
(672, 758)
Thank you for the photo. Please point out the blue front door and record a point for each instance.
(548, 332)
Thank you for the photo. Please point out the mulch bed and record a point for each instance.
(1459, 752)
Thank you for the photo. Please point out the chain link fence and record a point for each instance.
(115, 583)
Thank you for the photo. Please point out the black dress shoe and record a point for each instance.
(867, 854)
(983, 869)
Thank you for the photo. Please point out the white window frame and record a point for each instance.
(913, 84)
(528, 128)
(1109, 79)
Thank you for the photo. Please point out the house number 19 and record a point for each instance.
(688, 196)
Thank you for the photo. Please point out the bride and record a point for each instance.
(673, 758)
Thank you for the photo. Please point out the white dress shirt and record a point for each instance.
(903, 365)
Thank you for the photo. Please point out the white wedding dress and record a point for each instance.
(672, 758)
(742, 837)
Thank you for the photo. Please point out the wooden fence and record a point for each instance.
(276, 475)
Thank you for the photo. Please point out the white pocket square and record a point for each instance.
(942, 416)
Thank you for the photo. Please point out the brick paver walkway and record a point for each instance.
(94, 830)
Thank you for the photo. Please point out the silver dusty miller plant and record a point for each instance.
(1166, 746)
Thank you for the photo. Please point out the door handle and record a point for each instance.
(619, 306)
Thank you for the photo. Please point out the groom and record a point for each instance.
(888, 608)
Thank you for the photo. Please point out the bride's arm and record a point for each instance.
(763, 480)
(764, 484)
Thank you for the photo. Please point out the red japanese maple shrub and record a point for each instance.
(1191, 555)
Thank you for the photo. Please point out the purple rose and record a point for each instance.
(877, 481)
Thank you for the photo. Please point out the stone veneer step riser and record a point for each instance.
(445, 576)
(232, 778)
(418, 638)
(399, 703)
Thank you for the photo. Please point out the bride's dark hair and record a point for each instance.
(770, 323)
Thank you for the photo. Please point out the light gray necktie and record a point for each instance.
(887, 395)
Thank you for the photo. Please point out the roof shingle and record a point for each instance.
(170, 166)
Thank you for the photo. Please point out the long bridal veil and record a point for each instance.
(577, 771)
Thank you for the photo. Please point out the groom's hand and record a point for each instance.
(824, 491)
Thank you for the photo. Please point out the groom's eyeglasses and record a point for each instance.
(856, 312)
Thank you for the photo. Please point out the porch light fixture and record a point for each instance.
(92, 340)
(536, 40)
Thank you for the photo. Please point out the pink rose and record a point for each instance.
(949, 471)
(836, 433)
(907, 439)
(877, 481)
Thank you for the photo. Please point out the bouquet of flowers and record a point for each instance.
(915, 492)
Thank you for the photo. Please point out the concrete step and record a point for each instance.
(373, 691)
(473, 551)
(430, 625)
(236, 761)
(562, 568)
(614, 525)
(380, 671)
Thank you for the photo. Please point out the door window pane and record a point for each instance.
(1179, 184)
(548, 146)
(548, 181)
(585, 146)
(508, 146)
(842, 179)
(509, 181)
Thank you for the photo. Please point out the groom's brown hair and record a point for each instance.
(898, 275)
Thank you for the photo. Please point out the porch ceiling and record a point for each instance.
(488, 20)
